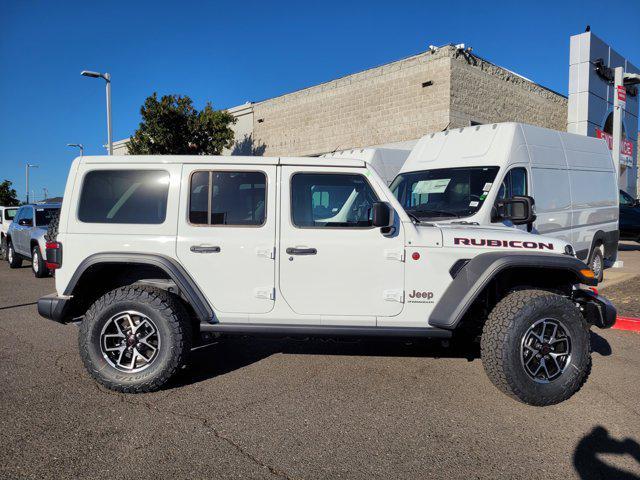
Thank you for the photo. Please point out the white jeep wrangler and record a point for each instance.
(153, 253)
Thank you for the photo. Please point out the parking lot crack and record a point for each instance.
(204, 422)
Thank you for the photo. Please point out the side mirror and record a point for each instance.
(382, 215)
(519, 210)
(25, 222)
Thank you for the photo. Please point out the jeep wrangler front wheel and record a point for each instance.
(535, 347)
(135, 338)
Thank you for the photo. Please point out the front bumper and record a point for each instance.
(53, 307)
(597, 310)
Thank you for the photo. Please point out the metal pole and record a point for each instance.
(617, 119)
(27, 175)
(107, 77)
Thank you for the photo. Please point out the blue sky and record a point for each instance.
(232, 52)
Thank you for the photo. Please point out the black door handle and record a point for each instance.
(204, 249)
(301, 251)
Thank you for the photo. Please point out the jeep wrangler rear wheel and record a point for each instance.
(535, 347)
(135, 338)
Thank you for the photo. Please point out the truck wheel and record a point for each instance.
(597, 263)
(535, 347)
(3, 248)
(37, 263)
(15, 260)
(135, 338)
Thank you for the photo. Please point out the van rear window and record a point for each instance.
(124, 196)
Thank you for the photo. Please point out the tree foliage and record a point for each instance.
(8, 195)
(172, 126)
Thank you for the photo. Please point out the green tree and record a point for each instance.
(8, 195)
(172, 126)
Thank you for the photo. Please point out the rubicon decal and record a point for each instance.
(484, 242)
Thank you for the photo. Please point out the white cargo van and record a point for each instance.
(386, 161)
(463, 175)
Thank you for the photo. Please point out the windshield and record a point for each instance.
(444, 192)
(10, 213)
(44, 216)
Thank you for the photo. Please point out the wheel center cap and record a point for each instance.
(132, 340)
(545, 349)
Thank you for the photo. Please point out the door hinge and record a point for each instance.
(266, 252)
(266, 293)
(394, 255)
(393, 296)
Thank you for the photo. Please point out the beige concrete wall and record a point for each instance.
(381, 105)
(485, 93)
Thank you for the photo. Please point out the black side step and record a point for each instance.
(280, 330)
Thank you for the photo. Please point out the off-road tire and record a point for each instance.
(596, 256)
(174, 328)
(14, 259)
(503, 334)
(38, 265)
(3, 248)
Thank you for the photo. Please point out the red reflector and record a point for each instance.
(415, 256)
(53, 245)
(594, 290)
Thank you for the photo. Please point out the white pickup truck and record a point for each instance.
(159, 251)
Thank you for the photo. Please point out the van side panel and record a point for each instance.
(550, 188)
(594, 186)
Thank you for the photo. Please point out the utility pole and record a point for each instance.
(107, 78)
(27, 167)
(45, 192)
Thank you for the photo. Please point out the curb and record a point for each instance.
(627, 323)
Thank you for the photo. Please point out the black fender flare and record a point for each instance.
(471, 280)
(171, 267)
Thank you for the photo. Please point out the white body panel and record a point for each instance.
(239, 279)
(572, 178)
(5, 222)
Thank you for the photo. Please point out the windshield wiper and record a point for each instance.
(442, 213)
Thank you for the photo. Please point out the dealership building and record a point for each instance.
(443, 88)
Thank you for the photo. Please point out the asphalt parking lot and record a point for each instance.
(314, 409)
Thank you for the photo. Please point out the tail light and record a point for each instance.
(54, 255)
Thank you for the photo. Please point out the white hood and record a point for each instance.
(476, 237)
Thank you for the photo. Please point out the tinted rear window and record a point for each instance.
(44, 216)
(124, 196)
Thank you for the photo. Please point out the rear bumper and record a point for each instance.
(597, 310)
(53, 307)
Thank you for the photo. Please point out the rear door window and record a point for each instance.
(124, 196)
(228, 198)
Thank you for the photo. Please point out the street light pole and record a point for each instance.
(27, 167)
(77, 145)
(107, 78)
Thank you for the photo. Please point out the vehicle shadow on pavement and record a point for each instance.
(589, 465)
(625, 247)
(230, 354)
